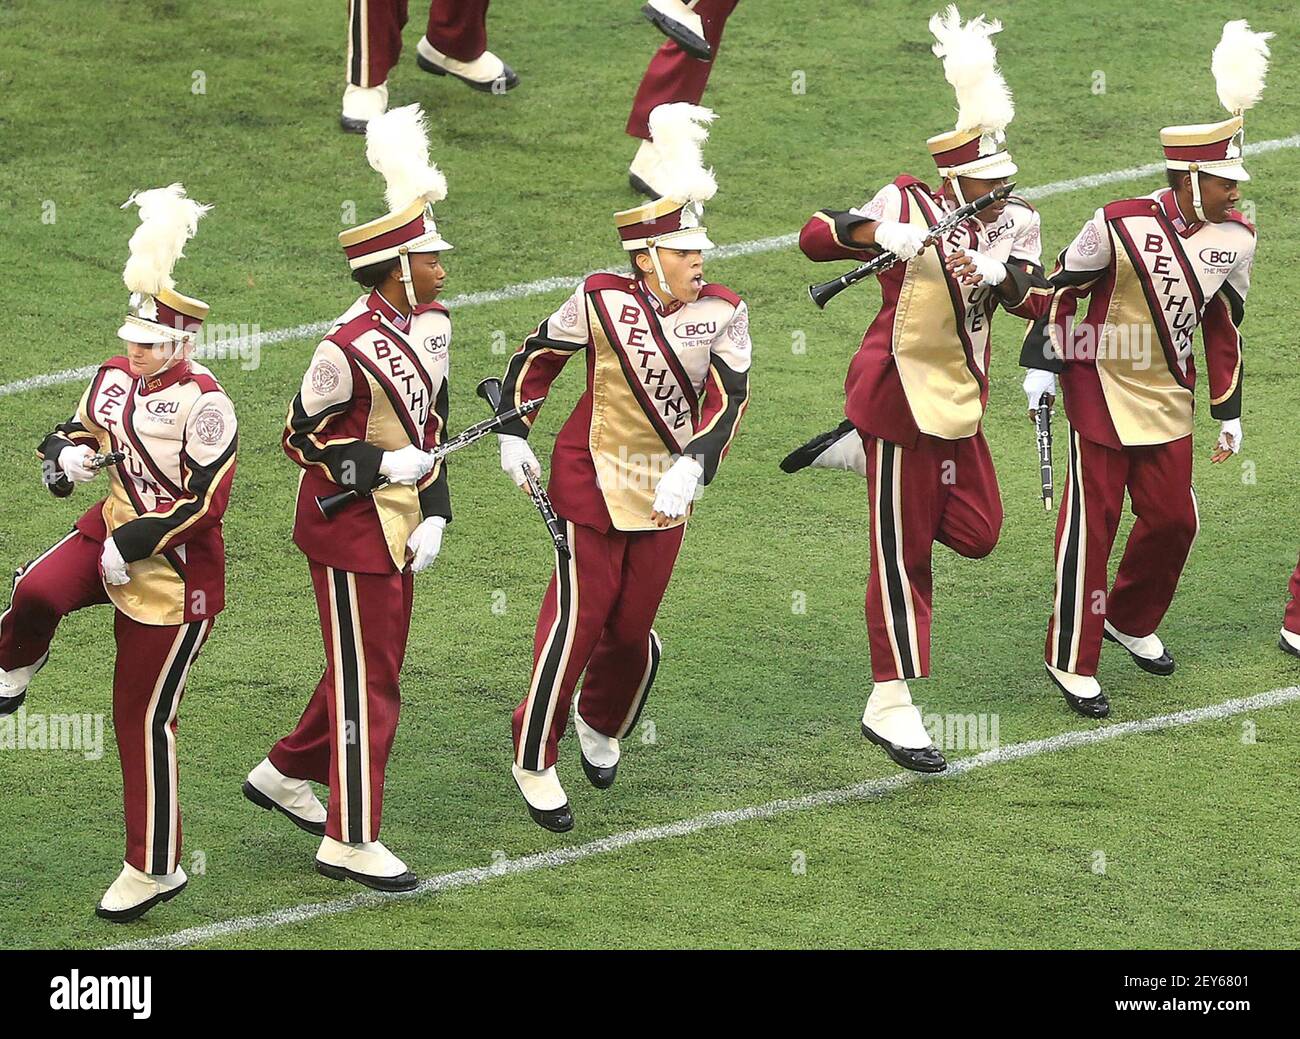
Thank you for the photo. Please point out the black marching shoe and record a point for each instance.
(557, 820)
(1088, 706)
(1161, 665)
(1282, 644)
(802, 457)
(602, 778)
(9, 704)
(348, 125)
(679, 32)
(915, 759)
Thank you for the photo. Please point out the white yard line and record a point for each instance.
(536, 288)
(867, 791)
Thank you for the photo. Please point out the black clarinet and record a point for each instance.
(1043, 425)
(330, 504)
(57, 482)
(828, 290)
(490, 391)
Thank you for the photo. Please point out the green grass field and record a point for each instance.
(1183, 838)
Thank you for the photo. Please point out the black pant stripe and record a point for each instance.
(655, 650)
(548, 684)
(350, 752)
(889, 537)
(356, 29)
(164, 811)
(1070, 566)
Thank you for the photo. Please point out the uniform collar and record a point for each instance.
(178, 372)
(1169, 202)
(389, 313)
(653, 300)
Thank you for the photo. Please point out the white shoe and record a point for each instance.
(681, 25)
(268, 787)
(893, 724)
(1082, 692)
(13, 685)
(547, 803)
(361, 104)
(487, 72)
(644, 165)
(891, 715)
(847, 452)
(1149, 647)
(134, 893)
(370, 864)
(600, 753)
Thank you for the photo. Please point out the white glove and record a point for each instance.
(426, 542)
(903, 240)
(112, 564)
(992, 272)
(73, 461)
(406, 465)
(1038, 382)
(1231, 428)
(515, 454)
(677, 486)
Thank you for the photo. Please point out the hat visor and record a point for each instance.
(430, 243)
(133, 333)
(1235, 172)
(696, 238)
(999, 171)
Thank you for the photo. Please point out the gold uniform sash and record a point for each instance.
(1146, 339)
(639, 407)
(930, 348)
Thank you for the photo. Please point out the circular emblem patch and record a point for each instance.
(1090, 240)
(324, 377)
(738, 330)
(876, 209)
(210, 426)
(569, 313)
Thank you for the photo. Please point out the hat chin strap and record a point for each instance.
(407, 283)
(956, 189)
(659, 272)
(177, 356)
(1196, 194)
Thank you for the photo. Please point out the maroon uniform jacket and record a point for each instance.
(660, 383)
(1150, 280)
(377, 382)
(923, 363)
(167, 497)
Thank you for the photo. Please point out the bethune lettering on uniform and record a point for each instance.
(75, 991)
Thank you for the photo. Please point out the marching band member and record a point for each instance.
(454, 44)
(152, 547)
(679, 71)
(1145, 272)
(667, 358)
(371, 404)
(918, 385)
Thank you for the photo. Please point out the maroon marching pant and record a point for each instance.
(458, 28)
(673, 75)
(346, 733)
(596, 616)
(153, 662)
(939, 490)
(1291, 620)
(1158, 479)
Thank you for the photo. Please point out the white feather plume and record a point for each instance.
(970, 64)
(679, 131)
(1239, 64)
(167, 221)
(397, 147)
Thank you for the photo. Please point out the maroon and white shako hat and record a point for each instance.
(158, 313)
